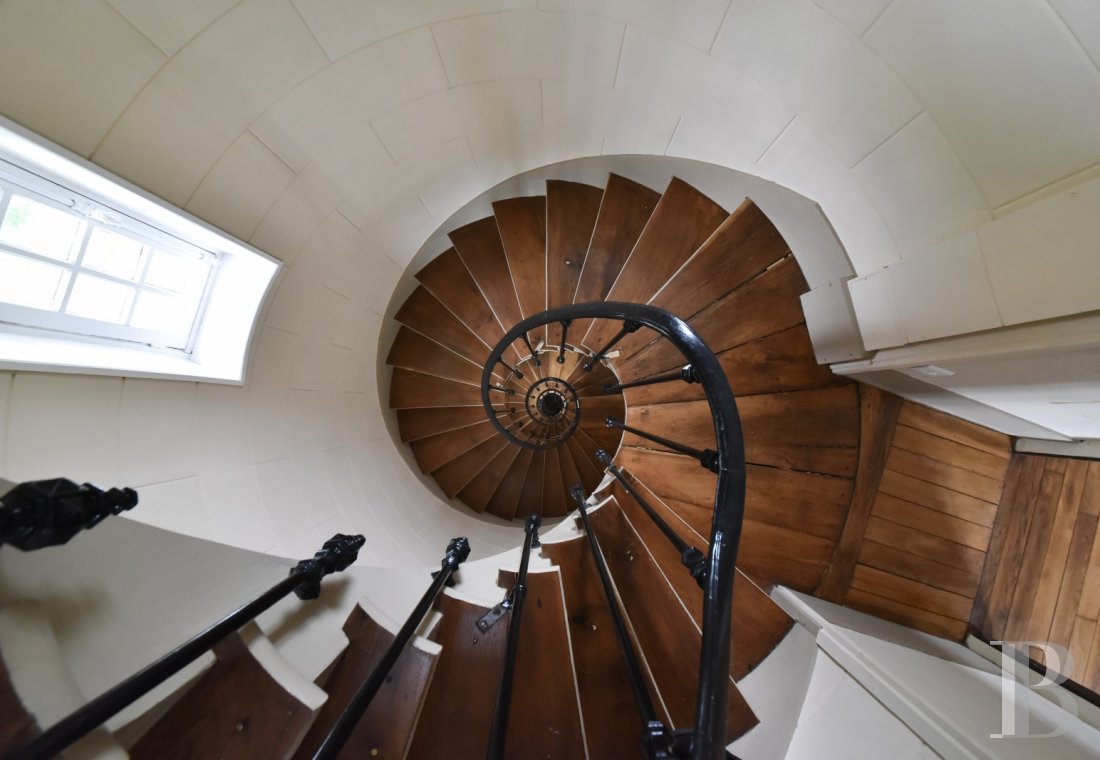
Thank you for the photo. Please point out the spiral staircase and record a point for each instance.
(509, 427)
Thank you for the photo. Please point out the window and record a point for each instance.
(97, 276)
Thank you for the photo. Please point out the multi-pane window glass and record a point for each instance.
(62, 270)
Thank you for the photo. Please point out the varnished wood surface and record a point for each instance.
(530, 500)
(544, 719)
(481, 250)
(235, 709)
(422, 312)
(457, 712)
(624, 212)
(479, 491)
(611, 721)
(505, 500)
(1041, 578)
(415, 352)
(682, 221)
(521, 223)
(456, 474)
(421, 423)
(571, 209)
(435, 451)
(415, 390)
(553, 490)
(930, 523)
(387, 726)
(662, 627)
(448, 279)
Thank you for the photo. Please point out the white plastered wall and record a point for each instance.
(337, 135)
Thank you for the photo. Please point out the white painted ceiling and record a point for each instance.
(338, 134)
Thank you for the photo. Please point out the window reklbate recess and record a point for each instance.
(97, 276)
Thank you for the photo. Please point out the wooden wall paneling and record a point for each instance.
(413, 351)
(682, 221)
(387, 726)
(415, 390)
(457, 712)
(925, 520)
(235, 709)
(952, 428)
(945, 474)
(571, 211)
(878, 413)
(624, 211)
(611, 721)
(665, 631)
(451, 283)
(544, 718)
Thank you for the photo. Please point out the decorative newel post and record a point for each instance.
(44, 513)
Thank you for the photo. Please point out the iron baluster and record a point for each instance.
(534, 354)
(564, 338)
(686, 373)
(693, 559)
(504, 689)
(628, 327)
(707, 457)
(510, 368)
(304, 580)
(457, 551)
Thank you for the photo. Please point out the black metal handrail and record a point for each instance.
(457, 551)
(708, 734)
(304, 580)
(499, 730)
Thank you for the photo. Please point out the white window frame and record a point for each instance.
(217, 347)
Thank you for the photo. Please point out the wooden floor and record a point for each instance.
(949, 532)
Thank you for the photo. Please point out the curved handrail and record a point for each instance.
(729, 498)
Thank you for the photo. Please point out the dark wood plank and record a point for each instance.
(1090, 490)
(478, 245)
(421, 423)
(479, 491)
(934, 548)
(763, 306)
(415, 390)
(800, 501)
(671, 475)
(422, 312)
(759, 624)
(413, 351)
(1056, 552)
(930, 521)
(624, 212)
(544, 720)
(571, 210)
(939, 498)
(1030, 564)
(530, 500)
(1006, 544)
(521, 223)
(435, 451)
(569, 474)
(961, 431)
(1089, 606)
(235, 709)
(945, 474)
(773, 555)
(912, 593)
(505, 500)
(456, 474)
(456, 713)
(946, 450)
(683, 220)
(603, 683)
(878, 414)
(553, 492)
(666, 635)
(896, 561)
(451, 283)
(1073, 579)
(914, 617)
(386, 728)
(744, 245)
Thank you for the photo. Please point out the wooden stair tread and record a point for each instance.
(387, 726)
(624, 211)
(530, 500)
(479, 246)
(571, 210)
(479, 491)
(505, 500)
(553, 491)
(458, 706)
(544, 718)
(422, 312)
(457, 474)
(662, 628)
(416, 390)
(421, 423)
(611, 721)
(682, 221)
(435, 451)
(521, 224)
(416, 352)
(234, 709)
(451, 283)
